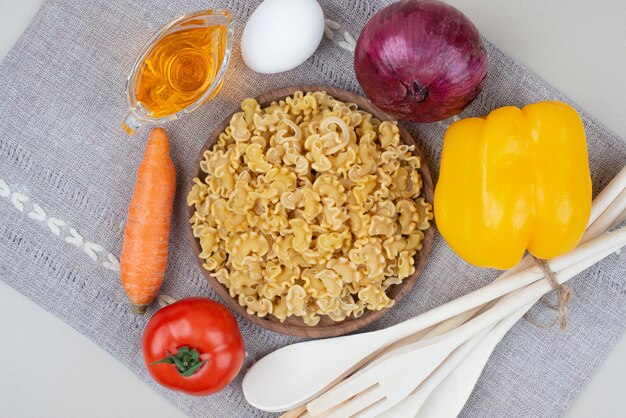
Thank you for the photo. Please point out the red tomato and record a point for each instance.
(196, 345)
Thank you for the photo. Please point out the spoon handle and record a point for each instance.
(450, 395)
(585, 252)
(463, 317)
(409, 406)
(607, 211)
(610, 215)
(608, 195)
(514, 301)
(457, 386)
(486, 331)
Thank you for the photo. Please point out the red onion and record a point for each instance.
(420, 60)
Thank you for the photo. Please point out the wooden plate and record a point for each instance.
(326, 327)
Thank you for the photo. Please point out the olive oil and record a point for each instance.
(179, 68)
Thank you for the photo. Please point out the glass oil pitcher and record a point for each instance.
(181, 68)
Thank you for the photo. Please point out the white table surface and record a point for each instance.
(49, 369)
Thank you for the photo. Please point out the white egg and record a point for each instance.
(282, 34)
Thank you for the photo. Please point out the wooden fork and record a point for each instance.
(394, 376)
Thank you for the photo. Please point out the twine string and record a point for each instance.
(563, 295)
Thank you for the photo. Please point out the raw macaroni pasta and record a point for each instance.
(309, 207)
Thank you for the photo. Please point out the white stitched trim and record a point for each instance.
(37, 213)
(111, 263)
(350, 41)
(74, 238)
(164, 300)
(91, 249)
(331, 24)
(55, 225)
(5, 191)
(329, 33)
(332, 29)
(18, 200)
(447, 122)
(59, 228)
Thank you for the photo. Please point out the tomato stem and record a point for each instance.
(187, 360)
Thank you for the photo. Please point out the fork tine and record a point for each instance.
(375, 409)
(363, 400)
(343, 391)
(295, 413)
(328, 412)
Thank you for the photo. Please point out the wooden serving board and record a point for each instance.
(327, 327)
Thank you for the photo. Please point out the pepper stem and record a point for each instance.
(187, 360)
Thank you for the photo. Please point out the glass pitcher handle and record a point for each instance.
(130, 124)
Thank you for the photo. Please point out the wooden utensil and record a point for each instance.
(393, 378)
(447, 390)
(608, 211)
(392, 382)
(605, 211)
(456, 377)
(271, 385)
(327, 327)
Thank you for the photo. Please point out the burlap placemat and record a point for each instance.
(67, 173)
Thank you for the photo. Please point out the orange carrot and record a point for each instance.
(146, 236)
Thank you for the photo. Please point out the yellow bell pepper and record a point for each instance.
(517, 180)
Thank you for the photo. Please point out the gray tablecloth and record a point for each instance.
(67, 173)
